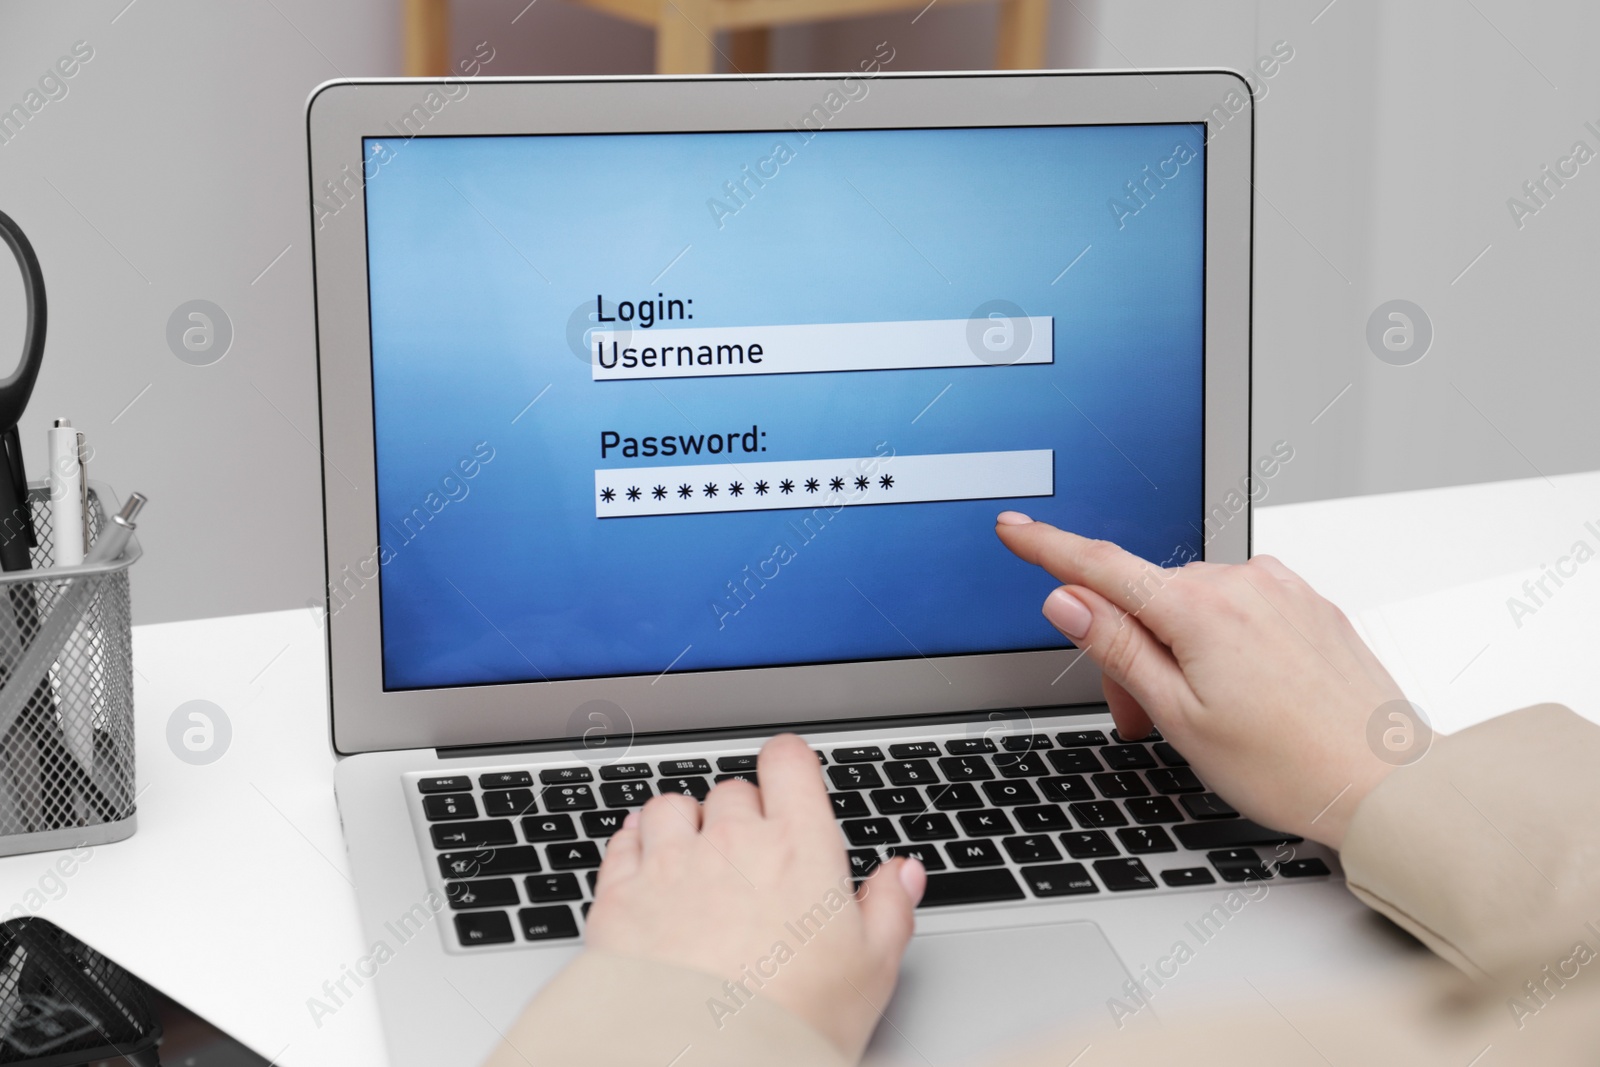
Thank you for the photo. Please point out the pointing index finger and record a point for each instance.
(1121, 577)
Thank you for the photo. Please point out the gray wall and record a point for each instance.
(173, 169)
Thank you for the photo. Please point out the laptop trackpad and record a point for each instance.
(969, 995)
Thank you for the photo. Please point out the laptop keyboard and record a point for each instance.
(1025, 817)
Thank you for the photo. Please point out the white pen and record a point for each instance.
(69, 491)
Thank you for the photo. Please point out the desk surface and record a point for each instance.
(234, 895)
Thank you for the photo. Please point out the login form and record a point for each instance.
(656, 403)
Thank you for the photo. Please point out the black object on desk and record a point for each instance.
(65, 1005)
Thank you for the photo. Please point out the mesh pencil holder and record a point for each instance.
(66, 694)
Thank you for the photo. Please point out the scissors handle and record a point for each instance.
(18, 387)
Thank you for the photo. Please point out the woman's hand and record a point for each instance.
(753, 886)
(1263, 685)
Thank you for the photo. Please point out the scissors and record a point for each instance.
(17, 534)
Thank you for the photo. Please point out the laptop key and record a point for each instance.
(1141, 840)
(473, 834)
(914, 750)
(483, 928)
(862, 832)
(504, 779)
(455, 783)
(849, 806)
(863, 861)
(1031, 848)
(546, 888)
(933, 826)
(689, 787)
(547, 923)
(1059, 880)
(1118, 739)
(1306, 868)
(1087, 844)
(954, 797)
(1030, 765)
(736, 763)
(569, 798)
(1098, 813)
(678, 768)
(618, 772)
(593, 878)
(450, 806)
(1231, 834)
(968, 746)
(855, 776)
(965, 768)
(1170, 756)
(563, 775)
(509, 802)
(1175, 780)
(970, 887)
(1042, 817)
(1065, 789)
(858, 754)
(1025, 743)
(1075, 761)
(602, 824)
(1119, 784)
(1121, 875)
(1207, 806)
(927, 855)
(1127, 757)
(625, 794)
(1183, 876)
(573, 855)
(741, 776)
(549, 828)
(488, 893)
(1008, 794)
(898, 801)
(1080, 738)
(910, 772)
(1149, 810)
(490, 862)
(990, 822)
(974, 854)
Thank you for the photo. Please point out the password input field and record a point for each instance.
(710, 351)
(689, 489)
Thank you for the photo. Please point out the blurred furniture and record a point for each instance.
(686, 29)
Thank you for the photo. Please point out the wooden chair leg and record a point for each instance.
(749, 50)
(1022, 34)
(427, 31)
(684, 38)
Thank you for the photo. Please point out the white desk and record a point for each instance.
(233, 895)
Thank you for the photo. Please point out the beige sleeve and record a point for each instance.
(607, 1010)
(1489, 842)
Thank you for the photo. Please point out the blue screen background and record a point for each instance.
(486, 253)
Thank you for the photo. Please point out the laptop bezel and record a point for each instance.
(364, 717)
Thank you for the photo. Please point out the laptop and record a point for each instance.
(660, 415)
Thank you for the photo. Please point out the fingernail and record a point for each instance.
(1067, 613)
(631, 821)
(1013, 518)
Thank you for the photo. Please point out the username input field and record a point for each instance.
(631, 492)
(711, 351)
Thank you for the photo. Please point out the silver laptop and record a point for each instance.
(660, 415)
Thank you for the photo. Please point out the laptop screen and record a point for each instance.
(709, 401)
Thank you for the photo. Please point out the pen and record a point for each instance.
(69, 492)
(69, 528)
(114, 538)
